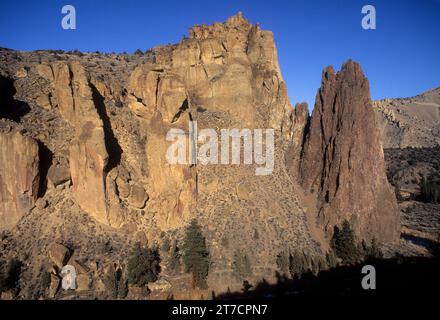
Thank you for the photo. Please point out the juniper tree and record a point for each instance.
(174, 258)
(196, 254)
(143, 266)
(242, 265)
(344, 245)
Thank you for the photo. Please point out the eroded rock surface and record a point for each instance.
(19, 177)
(343, 160)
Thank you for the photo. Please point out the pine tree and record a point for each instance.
(343, 243)
(196, 255)
(143, 266)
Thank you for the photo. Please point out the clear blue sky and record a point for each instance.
(400, 58)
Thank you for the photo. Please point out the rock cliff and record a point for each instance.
(343, 159)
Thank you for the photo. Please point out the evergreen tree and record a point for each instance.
(297, 264)
(143, 266)
(373, 251)
(174, 259)
(344, 245)
(10, 274)
(196, 255)
(242, 265)
(283, 262)
(330, 259)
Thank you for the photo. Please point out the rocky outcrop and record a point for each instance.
(88, 154)
(343, 161)
(19, 177)
(227, 71)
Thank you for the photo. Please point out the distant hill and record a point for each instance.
(410, 122)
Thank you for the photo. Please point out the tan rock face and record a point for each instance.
(19, 177)
(228, 69)
(174, 186)
(343, 160)
(88, 154)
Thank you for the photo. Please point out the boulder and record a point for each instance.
(21, 73)
(58, 174)
(58, 254)
(40, 204)
(83, 282)
(138, 196)
(123, 187)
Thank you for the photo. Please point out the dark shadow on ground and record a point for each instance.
(396, 277)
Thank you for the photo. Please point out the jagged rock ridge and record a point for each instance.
(102, 120)
(343, 160)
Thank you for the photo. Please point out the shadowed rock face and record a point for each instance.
(343, 162)
(19, 177)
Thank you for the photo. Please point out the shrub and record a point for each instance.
(430, 190)
(174, 259)
(283, 262)
(242, 265)
(10, 274)
(111, 283)
(373, 250)
(166, 245)
(196, 255)
(330, 259)
(297, 264)
(143, 266)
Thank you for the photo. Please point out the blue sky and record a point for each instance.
(400, 58)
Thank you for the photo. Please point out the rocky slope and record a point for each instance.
(88, 134)
(410, 122)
